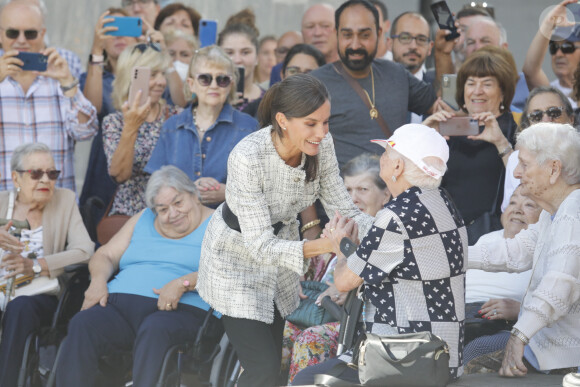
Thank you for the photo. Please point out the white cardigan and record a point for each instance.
(550, 314)
(244, 274)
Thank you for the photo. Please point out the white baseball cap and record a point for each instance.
(415, 142)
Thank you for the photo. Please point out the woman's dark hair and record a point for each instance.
(306, 49)
(489, 61)
(243, 22)
(565, 102)
(296, 97)
(171, 9)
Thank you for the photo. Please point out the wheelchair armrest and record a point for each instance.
(77, 268)
(332, 308)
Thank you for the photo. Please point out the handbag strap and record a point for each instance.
(339, 67)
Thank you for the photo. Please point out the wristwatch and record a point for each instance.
(347, 246)
(36, 268)
(96, 59)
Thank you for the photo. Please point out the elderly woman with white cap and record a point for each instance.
(411, 263)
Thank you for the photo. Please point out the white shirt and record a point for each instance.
(566, 90)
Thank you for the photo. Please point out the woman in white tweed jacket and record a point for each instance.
(252, 276)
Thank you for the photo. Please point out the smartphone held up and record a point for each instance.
(459, 126)
(445, 19)
(33, 61)
(139, 81)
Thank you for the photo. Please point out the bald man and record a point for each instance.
(288, 40)
(63, 117)
(318, 30)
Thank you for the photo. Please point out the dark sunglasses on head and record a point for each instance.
(36, 174)
(553, 113)
(12, 33)
(143, 46)
(221, 80)
(566, 47)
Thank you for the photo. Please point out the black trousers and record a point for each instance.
(24, 315)
(259, 349)
(306, 376)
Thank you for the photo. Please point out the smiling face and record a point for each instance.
(482, 94)
(304, 134)
(157, 84)
(211, 95)
(519, 214)
(365, 194)
(178, 21)
(242, 52)
(357, 38)
(178, 213)
(35, 192)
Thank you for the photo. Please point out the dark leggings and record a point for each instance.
(258, 346)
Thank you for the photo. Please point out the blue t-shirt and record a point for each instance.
(151, 261)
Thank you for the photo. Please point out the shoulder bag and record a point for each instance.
(110, 224)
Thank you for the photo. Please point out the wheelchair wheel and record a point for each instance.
(225, 368)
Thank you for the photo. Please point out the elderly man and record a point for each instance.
(318, 30)
(43, 107)
(388, 90)
(563, 44)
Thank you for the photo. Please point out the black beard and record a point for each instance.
(359, 64)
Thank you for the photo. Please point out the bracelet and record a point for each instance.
(517, 333)
(505, 152)
(74, 83)
(309, 225)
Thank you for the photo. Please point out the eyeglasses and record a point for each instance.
(293, 70)
(553, 113)
(12, 33)
(144, 46)
(36, 174)
(221, 80)
(406, 38)
(129, 3)
(566, 47)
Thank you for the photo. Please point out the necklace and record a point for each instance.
(373, 112)
(195, 121)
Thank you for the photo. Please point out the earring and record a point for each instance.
(283, 128)
(394, 179)
(464, 106)
(501, 107)
(17, 189)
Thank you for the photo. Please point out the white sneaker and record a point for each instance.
(571, 380)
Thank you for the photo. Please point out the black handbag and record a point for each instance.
(308, 314)
(488, 221)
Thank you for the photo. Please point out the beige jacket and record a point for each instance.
(64, 236)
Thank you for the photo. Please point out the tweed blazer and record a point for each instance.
(244, 274)
(64, 237)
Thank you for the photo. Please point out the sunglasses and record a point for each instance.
(36, 174)
(12, 33)
(221, 80)
(553, 113)
(566, 47)
(144, 46)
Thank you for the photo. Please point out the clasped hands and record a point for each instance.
(339, 227)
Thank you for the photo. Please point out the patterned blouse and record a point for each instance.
(130, 196)
(413, 265)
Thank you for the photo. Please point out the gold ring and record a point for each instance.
(513, 368)
(168, 305)
(331, 229)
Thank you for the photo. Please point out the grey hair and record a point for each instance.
(414, 175)
(168, 176)
(525, 121)
(365, 163)
(214, 56)
(502, 32)
(550, 141)
(23, 151)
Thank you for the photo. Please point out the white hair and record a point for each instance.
(550, 141)
(414, 175)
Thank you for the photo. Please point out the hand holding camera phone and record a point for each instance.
(139, 81)
(207, 32)
(459, 126)
(445, 19)
(33, 61)
(126, 26)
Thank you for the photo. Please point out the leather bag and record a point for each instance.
(308, 314)
(411, 359)
(110, 224)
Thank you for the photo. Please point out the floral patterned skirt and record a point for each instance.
(303, 348)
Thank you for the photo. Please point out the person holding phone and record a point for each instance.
(130, 134)
(485, 87)
(200, 139)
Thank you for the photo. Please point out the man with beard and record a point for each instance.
(390, 89)
(411, 47)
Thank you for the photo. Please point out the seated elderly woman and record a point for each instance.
(57, 237)
(151, 303)
(546, 336)
(492, 300)
(417, 243)
(544, 104)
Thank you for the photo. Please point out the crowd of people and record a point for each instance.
(241, 168)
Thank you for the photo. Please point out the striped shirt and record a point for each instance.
(43, 114)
